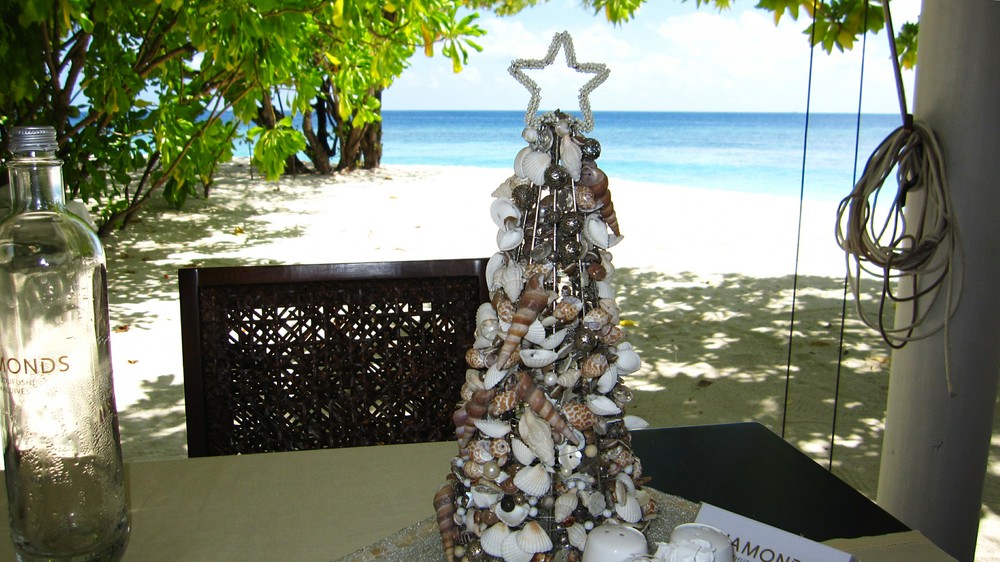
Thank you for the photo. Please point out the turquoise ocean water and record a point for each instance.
(748, 152)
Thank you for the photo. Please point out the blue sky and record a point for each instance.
(671, 57)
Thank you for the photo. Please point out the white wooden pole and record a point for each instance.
(936, 445)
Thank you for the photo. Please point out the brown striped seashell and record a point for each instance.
(466, 416)
(579, 415)
(503, 402)
(538, 402)
(593, 177)
(593, 366)
(444, 507)
(533, 300)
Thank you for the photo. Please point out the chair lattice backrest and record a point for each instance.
(293, 357)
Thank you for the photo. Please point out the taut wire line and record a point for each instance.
(798, 231)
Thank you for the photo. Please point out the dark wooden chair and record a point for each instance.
(293, 357)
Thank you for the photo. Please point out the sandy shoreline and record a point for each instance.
(704, 278)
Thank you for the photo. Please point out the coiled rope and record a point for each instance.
(882, 243)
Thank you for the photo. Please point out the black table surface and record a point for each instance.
(748, 469)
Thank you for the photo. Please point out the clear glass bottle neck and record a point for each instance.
(36, 182)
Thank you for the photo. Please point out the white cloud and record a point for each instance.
(672, 57)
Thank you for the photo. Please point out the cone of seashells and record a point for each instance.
(544, 441)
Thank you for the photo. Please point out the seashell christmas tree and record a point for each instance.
(544, 445)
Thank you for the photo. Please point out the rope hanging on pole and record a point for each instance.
(884, 244)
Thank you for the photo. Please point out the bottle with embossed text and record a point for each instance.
(62, 450)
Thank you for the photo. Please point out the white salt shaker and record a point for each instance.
(615, 543)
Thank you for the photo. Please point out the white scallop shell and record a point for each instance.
(572, 157)
(519, 161)
(628, 361)
(533, 538)
(493, 428)
(577, 535)
(630, 511)
(514, 517)
(596, 231)
(565, 504)
(536, 358)
(512, 552)
(608, 380)
(502, 210)
(493, 265)
(537, 435)
(509, 239)
(533, 166)
(521, 451)
(635, 422)
(492, 539)
(493, 376)
(533, 480)
(604, 290)
(602, 405)
(555, 340)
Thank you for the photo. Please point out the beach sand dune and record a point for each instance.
(705, 281)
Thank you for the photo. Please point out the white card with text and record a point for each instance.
(754, 541)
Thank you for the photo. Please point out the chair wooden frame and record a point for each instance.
(287, 357)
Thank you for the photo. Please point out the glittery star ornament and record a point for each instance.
(562, 41)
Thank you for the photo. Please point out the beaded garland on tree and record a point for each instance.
(544, 445)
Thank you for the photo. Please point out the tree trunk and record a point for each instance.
(314, 147)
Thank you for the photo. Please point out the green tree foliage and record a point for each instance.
(137, 88)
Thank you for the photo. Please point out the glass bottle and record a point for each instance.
(62, 450)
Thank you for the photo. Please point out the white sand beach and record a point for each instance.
(705, 282)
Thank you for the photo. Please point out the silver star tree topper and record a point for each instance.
(563, 41)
